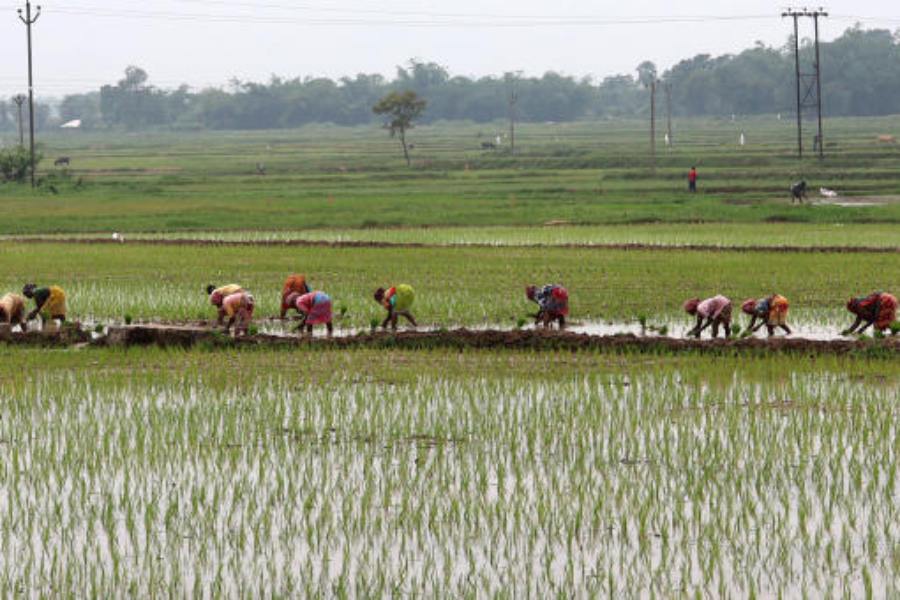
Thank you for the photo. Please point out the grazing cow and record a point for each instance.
(886, 139)
(260, 169)
(798, 191)
(488, 146)
(62, 160)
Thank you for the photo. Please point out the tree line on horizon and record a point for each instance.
(861, 77)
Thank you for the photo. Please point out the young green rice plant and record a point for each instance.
(445, 473)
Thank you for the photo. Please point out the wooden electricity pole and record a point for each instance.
(653, 123)
(20, 99)
(30, 20)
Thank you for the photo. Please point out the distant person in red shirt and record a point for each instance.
(692, 179)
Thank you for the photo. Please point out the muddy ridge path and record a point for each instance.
(174, 336)
(374, 244)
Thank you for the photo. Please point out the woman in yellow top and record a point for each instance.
(12, 311)
(218, 294)
(49, 302)
(396, 301)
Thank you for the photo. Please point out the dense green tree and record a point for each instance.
(861, 76)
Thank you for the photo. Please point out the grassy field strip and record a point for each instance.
(725, 235)
(455, 286)
(353, 177)
(445, 473)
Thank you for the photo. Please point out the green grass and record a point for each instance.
(874, 235)
(444, 474)
(455, 285)
(329, 177)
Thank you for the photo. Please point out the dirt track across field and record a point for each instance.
(373, 244)
(188, 336)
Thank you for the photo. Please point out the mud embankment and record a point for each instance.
(188, 337)
(375, 244)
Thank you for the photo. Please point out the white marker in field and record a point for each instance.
(743, 139)
(666, 138)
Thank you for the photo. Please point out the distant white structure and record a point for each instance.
(498, 140)
(826, 193)
(666, 138)
(743, 139)
(73, 124)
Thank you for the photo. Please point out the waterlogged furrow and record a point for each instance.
(590, 484)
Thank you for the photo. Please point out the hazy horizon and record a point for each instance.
(205, 43)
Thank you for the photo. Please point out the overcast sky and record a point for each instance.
(80, 44)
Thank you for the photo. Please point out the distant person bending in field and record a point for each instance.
(218, 294)
(692, 179)
(713, 311)
(553, 304)
(770, 311)
(798, 191)
(295, 284)
(397, 301)
(877, 309)
(12, 311)
(49, 302)
(315, 309)
(239, 309)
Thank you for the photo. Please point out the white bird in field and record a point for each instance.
(826, 193)
(118, 238)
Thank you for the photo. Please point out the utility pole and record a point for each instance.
(513, 83)
(30, 20)
(20, 99)
(815, 16)
(796, 15)
(653, 123)
(808, 83)
(668, 87)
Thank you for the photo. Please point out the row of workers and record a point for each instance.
(313, 306)
(877, 310)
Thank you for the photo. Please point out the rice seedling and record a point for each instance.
(444, 473)
(473, 287)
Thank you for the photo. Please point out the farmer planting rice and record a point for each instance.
(553, 303)
(713, 311)
(239, 309)
(397, 301)
(294, 284)
(770, 311)
(12, 310)
(218, 295)
(315, 309)
(878, 309)
(49, 302)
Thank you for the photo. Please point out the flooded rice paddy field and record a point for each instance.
(360, 473)
(455, 286)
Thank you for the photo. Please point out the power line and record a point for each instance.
(423, 20)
